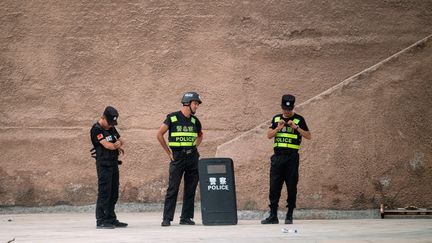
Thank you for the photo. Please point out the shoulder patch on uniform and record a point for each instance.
(193, 120)
(277, 119)
(296, 121)
(173, 118)
(100, 136)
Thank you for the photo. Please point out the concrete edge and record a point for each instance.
(156, 207)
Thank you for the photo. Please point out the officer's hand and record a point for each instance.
(117, 144)
(292, 125)
(281, 124)
(121, 151)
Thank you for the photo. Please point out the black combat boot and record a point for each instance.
(272, 219)
(119, 224)
(289, 216)
(165, 223)
(187, 221)
(105, 226)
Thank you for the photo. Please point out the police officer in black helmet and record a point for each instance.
(185, 135)
(287, 130)
(107, 145)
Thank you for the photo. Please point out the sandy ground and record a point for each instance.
(145, 227)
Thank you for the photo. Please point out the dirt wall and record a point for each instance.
(371, 141)
(62, 62)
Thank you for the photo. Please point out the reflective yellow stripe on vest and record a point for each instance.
(184, 134)
(181, 144)
(286, 135)
(286, 145)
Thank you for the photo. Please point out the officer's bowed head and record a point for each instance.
(111, 115)
(288, 102)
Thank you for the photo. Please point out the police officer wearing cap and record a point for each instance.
(184, 137)
(107, 145)
(287, 130)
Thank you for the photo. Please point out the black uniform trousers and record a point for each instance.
(108, 192)
(284, 168)
(185, 163)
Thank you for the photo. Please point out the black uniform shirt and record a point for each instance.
(97, 133)
(181, 121)
(302, 124)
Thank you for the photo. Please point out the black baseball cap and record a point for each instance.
(111, 115)
(288, 102)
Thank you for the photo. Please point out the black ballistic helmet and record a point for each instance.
(288, 102)
(111, 115)
(189, 97)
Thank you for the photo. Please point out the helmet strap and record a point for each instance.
(193, 113)
(190, 109)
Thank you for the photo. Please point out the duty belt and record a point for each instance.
(188, 151)
(285, 151)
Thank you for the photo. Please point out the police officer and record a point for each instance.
(107, 145)
(184, 137)
(287, 129)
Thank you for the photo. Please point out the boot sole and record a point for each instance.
(103, 227)
(270, 223)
